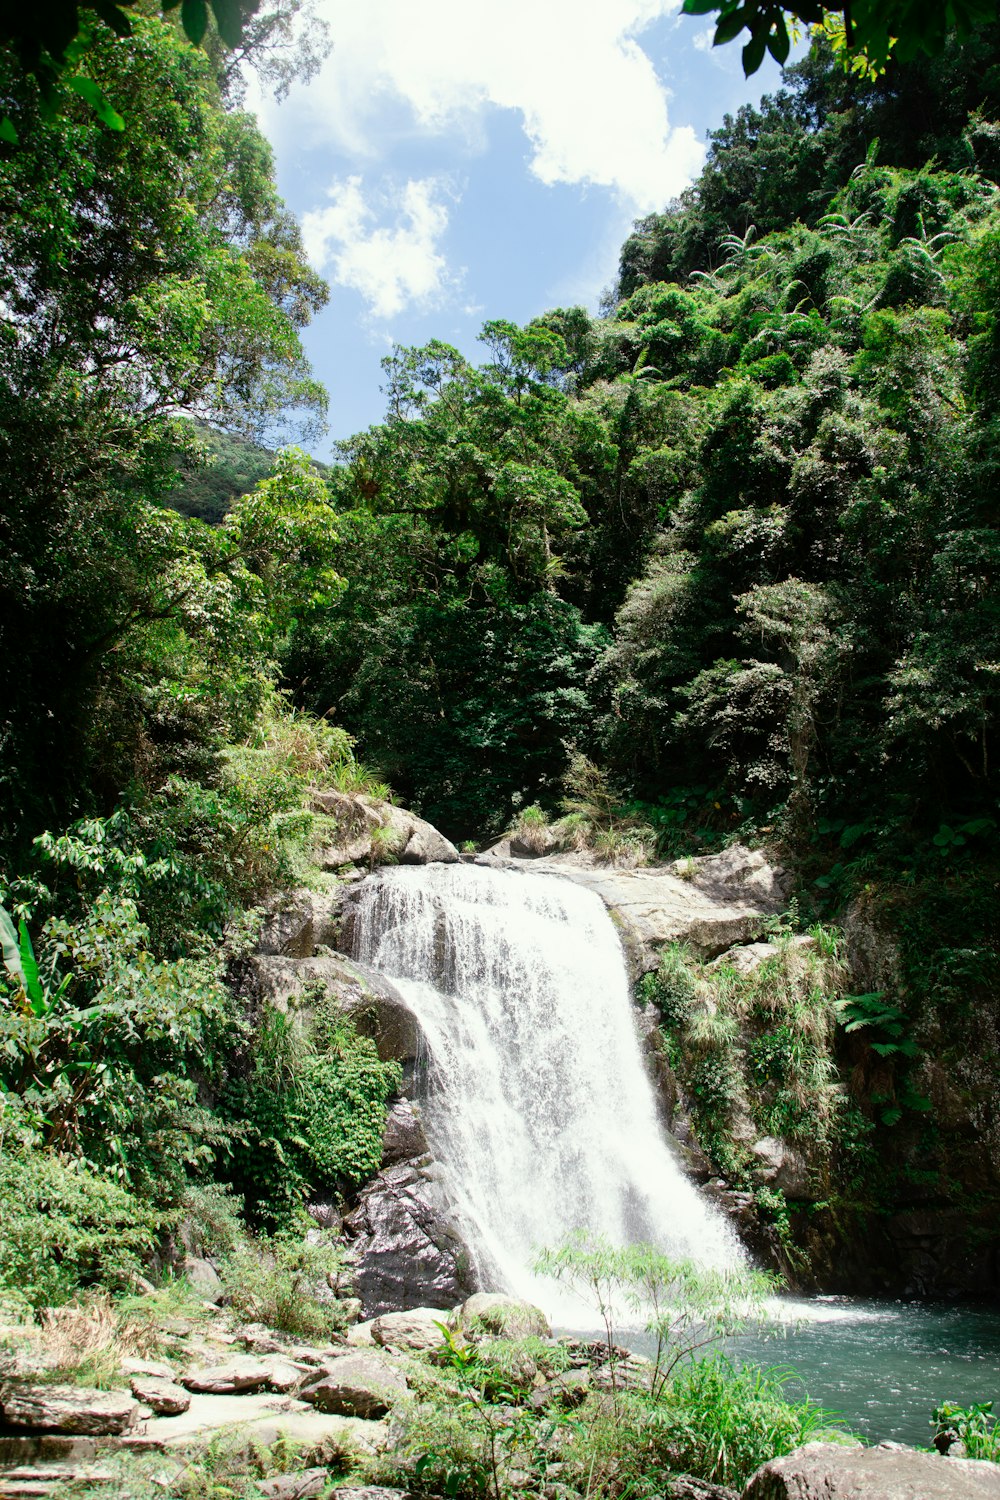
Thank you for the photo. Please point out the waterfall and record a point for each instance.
(537, 1106)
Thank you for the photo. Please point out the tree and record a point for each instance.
(143, 275)
(866, 32)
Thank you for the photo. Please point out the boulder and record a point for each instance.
(361, 1384)
(378, 833)
(163, 1397)
(407, 1248)
(230, 1378)
(69, 1409)
(298, 922)
(501, 1315)
(373, 1003)
(284, 1376)
(417, 1328)
(360, 1336)
(202, 1276)
(828, 1471)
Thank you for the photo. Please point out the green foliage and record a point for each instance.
(721, 1423)
(974, 1426)
(288, 1284)
(686, 1307)
(64, 1225)
(308, 1112)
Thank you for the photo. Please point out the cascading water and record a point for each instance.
(538, 1106)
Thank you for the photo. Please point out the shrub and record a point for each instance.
(310, 1112)
(288, 1284)
(64, 1228)
(721, 1423)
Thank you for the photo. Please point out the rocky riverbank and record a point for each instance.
(290, 1419)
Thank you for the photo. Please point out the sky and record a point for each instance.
(455, 161)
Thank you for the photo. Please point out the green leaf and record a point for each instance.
(29, 967)
(89, 91)
(753, 54)
(11, 948)
(194, 19)
(779, 43)
(699, 7)
(229, 19)
(8, 131)
(730, 25)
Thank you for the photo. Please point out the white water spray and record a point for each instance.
(538, 1106)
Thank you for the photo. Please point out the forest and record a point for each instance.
(720, 564)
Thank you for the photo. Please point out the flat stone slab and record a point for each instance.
(68, 1409)
(827, 1471)
(265, 1417)
(228, 1378)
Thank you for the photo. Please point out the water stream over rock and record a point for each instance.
(537, 1104)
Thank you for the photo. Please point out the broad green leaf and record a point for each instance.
(779, 43)
(29, 966)
(229, 19)
(194, 18)
(730, 26)
(89, 91)
(11, 948)
(8, 131)
(753, 54)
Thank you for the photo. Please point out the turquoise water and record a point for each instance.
(883, 1366)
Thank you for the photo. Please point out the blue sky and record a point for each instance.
(455, 161)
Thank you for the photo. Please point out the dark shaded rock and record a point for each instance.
(373, 1003)
(827, 1471)
(298, 922)
(68, 1409)
(360, 1384)
(408, 1250)
(781, 1166)
(404, 1137)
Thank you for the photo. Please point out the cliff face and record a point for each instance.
(854, 1154)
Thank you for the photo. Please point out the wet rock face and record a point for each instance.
(408, 1251)
(826, 1471)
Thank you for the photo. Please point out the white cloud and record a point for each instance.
(393, 266)
(590, 102)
